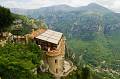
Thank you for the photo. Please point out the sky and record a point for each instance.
(114, 5)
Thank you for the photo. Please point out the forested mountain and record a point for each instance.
(93, 34)
(76, 21)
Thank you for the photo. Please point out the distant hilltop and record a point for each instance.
(64, 8)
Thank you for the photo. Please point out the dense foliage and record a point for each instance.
(17, 60)
(23, 25)
(6, 18)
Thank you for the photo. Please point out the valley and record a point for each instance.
(92, 33)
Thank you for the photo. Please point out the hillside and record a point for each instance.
(87, 18)
(18, 60)
(93, 34)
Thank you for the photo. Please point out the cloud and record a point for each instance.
(111, 4)
(31, 4)
(116, 6)
(40, 3)
(24, 3)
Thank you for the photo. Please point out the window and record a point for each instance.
(56, 61)
(56, 70)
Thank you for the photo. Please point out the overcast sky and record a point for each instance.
(32, 4)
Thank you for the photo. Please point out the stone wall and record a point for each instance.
(55, 64)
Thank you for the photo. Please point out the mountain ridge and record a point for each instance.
(76, 16)
(62, 7)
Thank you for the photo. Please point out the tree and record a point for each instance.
(5, 18)
(18, 60)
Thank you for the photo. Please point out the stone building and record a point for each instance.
(53, 45)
